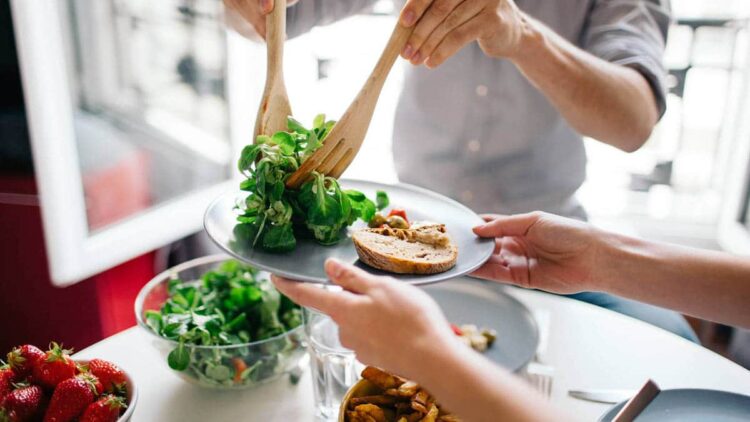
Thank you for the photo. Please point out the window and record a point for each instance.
(130, 123)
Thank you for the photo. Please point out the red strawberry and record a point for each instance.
(7, 378)
(54, 367)
(106, 409)
(23, 359)
(111, 376)
(23, 404)
(70, 399)
(94, 381)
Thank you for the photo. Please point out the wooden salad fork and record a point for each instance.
(274, 106)
(346, 137)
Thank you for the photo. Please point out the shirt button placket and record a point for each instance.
(481, 90)
(474, 129)
(467, 197)
(474, 145)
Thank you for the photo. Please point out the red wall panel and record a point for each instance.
(32, 310)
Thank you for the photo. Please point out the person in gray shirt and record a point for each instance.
(502, 92)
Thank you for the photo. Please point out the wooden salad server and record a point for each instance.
(638, 403)
(274, 106)
(346, 137)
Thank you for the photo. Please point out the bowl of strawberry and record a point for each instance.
(50, 386)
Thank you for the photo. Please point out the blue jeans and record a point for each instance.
(660, 317)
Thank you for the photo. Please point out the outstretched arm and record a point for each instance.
(398, 327)
(552, 253)
(707, 284)
(609, 89)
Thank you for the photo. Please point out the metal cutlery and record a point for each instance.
(539, 374)
(609, 396)
(540, 377)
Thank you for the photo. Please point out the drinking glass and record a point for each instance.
(334, 368)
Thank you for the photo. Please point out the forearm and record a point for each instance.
(705, 284)
(477, 390)
(608, 102)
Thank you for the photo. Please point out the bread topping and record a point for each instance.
(426, 232)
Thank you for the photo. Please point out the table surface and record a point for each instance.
(589, 347)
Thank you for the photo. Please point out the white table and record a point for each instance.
(589, 347)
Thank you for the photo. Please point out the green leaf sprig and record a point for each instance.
(272, 216)
(227, 306)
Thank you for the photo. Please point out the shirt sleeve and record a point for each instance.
(631, 33)
(307, 14)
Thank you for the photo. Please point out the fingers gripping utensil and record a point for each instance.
(346, 137)
(274, 105)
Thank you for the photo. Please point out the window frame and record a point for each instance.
(73, 252)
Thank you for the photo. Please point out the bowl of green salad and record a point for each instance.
(221, 324)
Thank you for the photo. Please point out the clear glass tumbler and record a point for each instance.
(334, 368)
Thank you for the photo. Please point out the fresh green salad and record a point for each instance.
(229, 306)
(272, 216)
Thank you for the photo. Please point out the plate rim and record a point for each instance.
(674, 391)
(429, 279)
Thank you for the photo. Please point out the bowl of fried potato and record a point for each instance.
(385, 397)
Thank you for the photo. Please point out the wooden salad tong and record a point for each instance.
(346, 137)
(274, 106)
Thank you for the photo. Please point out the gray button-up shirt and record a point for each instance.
(476, 130)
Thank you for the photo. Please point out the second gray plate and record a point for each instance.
(305, 262)
(692, 405)
(485, 304)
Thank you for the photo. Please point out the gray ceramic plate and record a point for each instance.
(305, 262)
(692, 405)
(484, 304)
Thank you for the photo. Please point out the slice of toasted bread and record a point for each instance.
(425, 249)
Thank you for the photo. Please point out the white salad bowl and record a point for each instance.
(230, 367)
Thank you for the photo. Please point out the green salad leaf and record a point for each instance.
(382, 200)
(272, 216)
(179, 358)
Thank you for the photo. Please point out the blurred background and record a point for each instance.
(156, 98)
